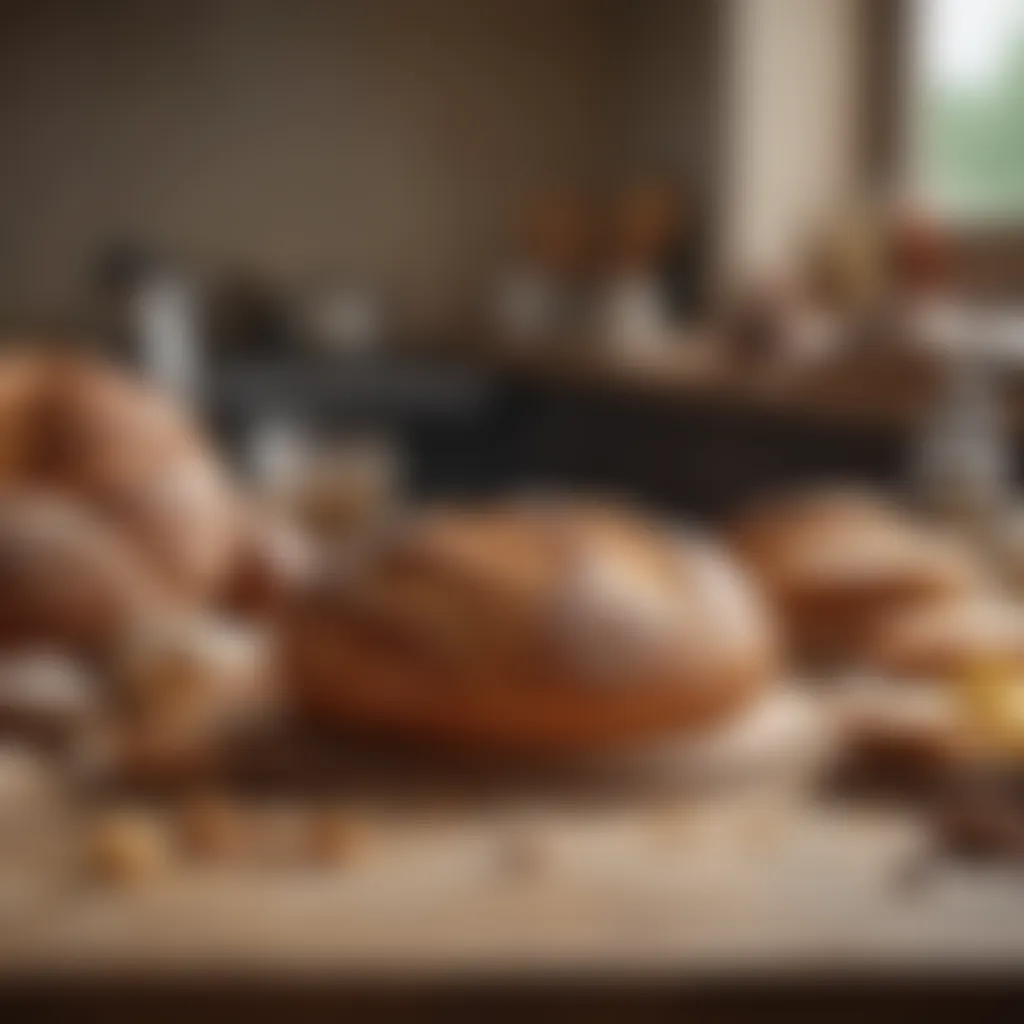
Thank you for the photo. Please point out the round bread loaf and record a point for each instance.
(952, 641)
(835, 565)
(66, 580)
(76, 428)
(523, 627)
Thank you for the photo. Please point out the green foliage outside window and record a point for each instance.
(973, 141)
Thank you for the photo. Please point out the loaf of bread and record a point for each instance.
(835, 565)
(67, 581)
(952, 641)
(75, 428)
(522, 627)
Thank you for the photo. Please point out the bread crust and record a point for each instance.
(73, 427)
(66, 580)
(952, 642)
(835, 565)
(515, 627)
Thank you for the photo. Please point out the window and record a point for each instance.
(969, 100)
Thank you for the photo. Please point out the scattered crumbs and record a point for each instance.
(127, 847)
(211, 827)
(672, 825)
(914, 873)
(523, 853)
(765, 828)
(336, 836)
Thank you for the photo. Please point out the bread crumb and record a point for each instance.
(212, 828)
(127, 847)
(335, 837)
(523, 854)
(672, 825)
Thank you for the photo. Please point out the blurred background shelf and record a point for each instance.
(675, 432)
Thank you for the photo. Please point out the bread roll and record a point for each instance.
(83, 431)
(66, 580)
(951, 641)
(518, 627)
(187, 689)
(835, 565)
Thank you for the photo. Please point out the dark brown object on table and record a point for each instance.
(983, 822)
(901, 749)
(529, 627)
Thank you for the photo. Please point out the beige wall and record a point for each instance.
(389, 137)
(794, 119)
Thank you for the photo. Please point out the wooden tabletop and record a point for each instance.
(623, 874)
